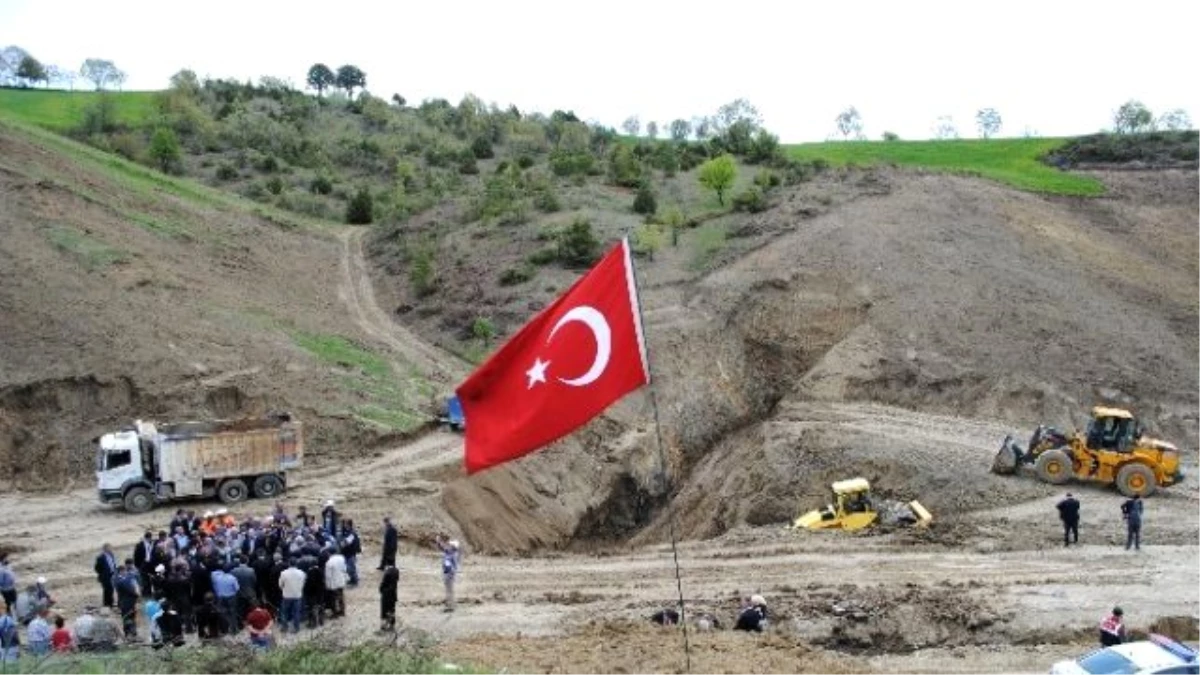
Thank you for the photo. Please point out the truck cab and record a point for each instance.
(123, 461)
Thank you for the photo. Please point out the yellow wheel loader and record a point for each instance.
(853, 508)
(1113, 450)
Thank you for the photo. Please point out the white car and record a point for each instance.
(1157, 656)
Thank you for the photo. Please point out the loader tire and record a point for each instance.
(1136, 479)
(1005, 462)
(139, 500)
(267, 486)
(233, 491)
(1054, 467)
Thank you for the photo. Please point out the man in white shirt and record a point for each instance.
(335, 584)
(291, 583)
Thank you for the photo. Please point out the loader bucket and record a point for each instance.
(807, 520)
(923, 515)
(1005, 462)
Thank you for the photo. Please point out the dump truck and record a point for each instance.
(853, 508)
(1113, 450)
(147, 464)
(451, 414)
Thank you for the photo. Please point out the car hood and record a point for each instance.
(1068, 668)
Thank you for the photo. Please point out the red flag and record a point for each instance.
(574, 359)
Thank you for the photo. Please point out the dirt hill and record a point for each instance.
(124, 295)
(988, 308)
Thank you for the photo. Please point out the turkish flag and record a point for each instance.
(574, 359)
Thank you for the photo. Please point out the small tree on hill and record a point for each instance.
(632, 125)
(31, 70)
(360, 209)
(645, 203)
(718, 174)
(1132, 117)
(988, 122)
(849, 123)
(1175, 120)
(320, 77)
(891, 136)
(652, 129)
(577, 246)
(680, 130)
(944, 129)
(164, 149)
(348, 77)
(101, 73)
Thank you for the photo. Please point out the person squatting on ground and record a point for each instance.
(259, 621)
(389, 595)
(1131, 511)
(451, 558)
(753, 616)
(1112, 628)
(1068, 513)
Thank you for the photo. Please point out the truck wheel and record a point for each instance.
(1136, 479)
(1053, 466)
(267, 486)
(139, 500)
(232, 491)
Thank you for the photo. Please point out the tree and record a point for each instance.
(577, 246)
(164, 148)
(702, 127)
(360, 209)
(718, 174)
(101, 73)
(31, 70)
(645, 203)
(1175, 120)
(398, 100)
(1132, 117)
(10, 58)
(647, 239)
(891, 136)
(737, 110)
(320, 77)
(680, 130)
(849, 122)
(652, 129)
(988, 122)
(348, 77)
(944, 128)
(632, 125)
(186, 83)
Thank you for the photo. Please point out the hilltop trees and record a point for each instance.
(320, 77)
(32, 71)
(652, 130)
(632, 125)
(164, 149)
(680, 130)
(101, 73)
(718, 174)
(849, 123)
(1175, 120)
(1132, 117)
(944, 129)
(348, 77)
(988, 122)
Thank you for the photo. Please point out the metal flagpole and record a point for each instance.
(662, 462)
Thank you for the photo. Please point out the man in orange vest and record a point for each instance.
(1112, 629)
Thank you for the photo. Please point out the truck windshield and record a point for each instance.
(117, 459)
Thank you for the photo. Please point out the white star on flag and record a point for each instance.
(537, 373)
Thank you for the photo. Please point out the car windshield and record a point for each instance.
(1108, 662)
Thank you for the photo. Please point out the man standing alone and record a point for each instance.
(1068, 512)
(450, 562)
(391, 542)
(1131, 510)
(106, 569)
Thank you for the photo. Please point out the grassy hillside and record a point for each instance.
(1013, 161)
(63, 110)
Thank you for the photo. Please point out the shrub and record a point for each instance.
(647, 239)
(482, 148)
(421, 272)
(577, 246)
(126, 145)
(483, 329)
(767, 179)
(624, 168)
(360, 208)
(164, 149)
(517, 275)
(226, 171)
(644, 202)
(750, 200)
(467, 166)
(718, 174)
(525, 161)
(320, 185)
(764, 147)
(502, 166)
(267, 164)
(891, 136)
(274, 185)
(543, 256)
(567, 163)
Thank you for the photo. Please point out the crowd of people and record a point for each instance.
(216, 576)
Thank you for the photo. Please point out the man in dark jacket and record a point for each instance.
(179, 592)
(389, 594)
(261, 564)
(753, 616)
(391, 543)
(129, 590)
(106, 569)
(314, 595)
(350, 546)
(1068, 513)
(143, 555)
(247, 588)
(170, 626)
(330, 519)
(1131, 511)
(208, 618)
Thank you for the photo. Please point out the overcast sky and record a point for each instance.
(1053, 67)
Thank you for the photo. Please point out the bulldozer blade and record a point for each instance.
(924, 517)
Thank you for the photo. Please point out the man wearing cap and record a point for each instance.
(1112, 628)
(451, 557)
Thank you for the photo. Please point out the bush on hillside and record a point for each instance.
(763, 148)
(567, 163)
(767, 179)
(576, 245)
(360, 208)
(517, 275)
(274, 185)
(320, 185)
(750, 200)
(226, 171)
(525, 161)
(645, 202)
(164, 149)
(624, 167)
(482, 148)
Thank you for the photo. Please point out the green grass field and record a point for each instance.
(1013, 161)
(63, 110)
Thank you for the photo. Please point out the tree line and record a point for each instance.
(20, 68)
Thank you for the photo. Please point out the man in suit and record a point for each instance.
(106, 569)
(143, 555)
(391, 542)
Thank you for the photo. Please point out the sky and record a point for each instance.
(1051, 68)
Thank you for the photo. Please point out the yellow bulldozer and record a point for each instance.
(1113, 450)
(853, 508)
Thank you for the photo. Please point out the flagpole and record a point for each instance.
(662, 462)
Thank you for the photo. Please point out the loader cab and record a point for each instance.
(1112, 429)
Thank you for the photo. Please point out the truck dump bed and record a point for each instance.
(190, 452)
